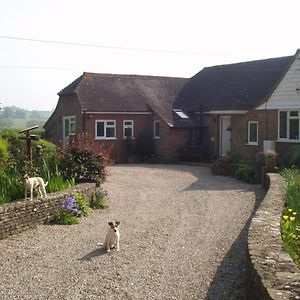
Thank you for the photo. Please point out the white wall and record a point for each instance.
(285, 96)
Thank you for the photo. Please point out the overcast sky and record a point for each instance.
(159, 37)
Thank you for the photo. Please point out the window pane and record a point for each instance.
(111, 123)
(72, 127)
(156, 129)
(294, 129)
(110, 132)
(293, 113)
(253, 133)
(283, 125)
(100, 129)
(67, 127)
(128, 123)
(128, 132)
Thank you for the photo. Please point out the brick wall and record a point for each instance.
(18, 216)
(68, 105)
(119, 146)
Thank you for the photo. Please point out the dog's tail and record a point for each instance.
(46, 183)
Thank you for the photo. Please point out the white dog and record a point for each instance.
(113, 237)
(31, 183)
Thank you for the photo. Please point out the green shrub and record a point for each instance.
(4, 155)
(292, 157)
(83, 205)
(66, 218)
(69, 212)
(246, 173)
(290, 223)
(99, 200)
(72, 208)
(292, 189)
(11, 185)
(290, 231)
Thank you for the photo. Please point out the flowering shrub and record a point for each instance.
(71, 209)
(83, 204)
(85, 160)
(99, 200)
(290, 229)
(290, 223)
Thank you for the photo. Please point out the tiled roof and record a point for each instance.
(127, 93)
(239, 86)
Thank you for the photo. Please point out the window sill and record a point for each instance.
(105, 139)
(251, 144)
(129, 139)
(157, 137)
(288, 141)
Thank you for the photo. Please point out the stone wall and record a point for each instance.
(18, 216)
(273, 275)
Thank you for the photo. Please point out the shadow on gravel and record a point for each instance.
(231, 279)
(93, 254)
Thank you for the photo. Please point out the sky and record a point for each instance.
(47, 44)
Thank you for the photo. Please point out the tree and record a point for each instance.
(35, 115)
(20, 113)
(8, 112)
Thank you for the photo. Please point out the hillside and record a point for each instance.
(19, 118)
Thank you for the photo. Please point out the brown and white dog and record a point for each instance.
(32, 183)
(113, 237)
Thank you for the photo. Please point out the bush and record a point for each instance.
(246, 173)
(4, 155)
(292, 157)
(290, 223)
(82, 204)
(11, 185)
(144, 147)
(13, 151)
(99, 200)
(270, 160)
(85, 161)
(69, 212)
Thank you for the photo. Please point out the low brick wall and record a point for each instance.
(273, 275)
(18, 216)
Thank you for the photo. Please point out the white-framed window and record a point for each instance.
(252, 133)
(69, 129)
(69, 125)
(128, 129)
(288, 125)
(105, 129)
(156, 129)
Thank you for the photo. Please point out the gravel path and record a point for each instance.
(183, 236)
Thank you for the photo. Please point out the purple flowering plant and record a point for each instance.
(70, 205)
(102, 194)
(100, 199)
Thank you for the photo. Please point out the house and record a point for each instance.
(118, 110)
(244, 107)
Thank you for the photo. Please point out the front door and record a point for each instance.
(225, 135)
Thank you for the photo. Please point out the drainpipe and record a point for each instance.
(201, 124)
(84, 121)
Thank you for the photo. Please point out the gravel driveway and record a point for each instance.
(183, 236)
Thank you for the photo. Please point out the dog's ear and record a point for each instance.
(110, 223)
(118, 223)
